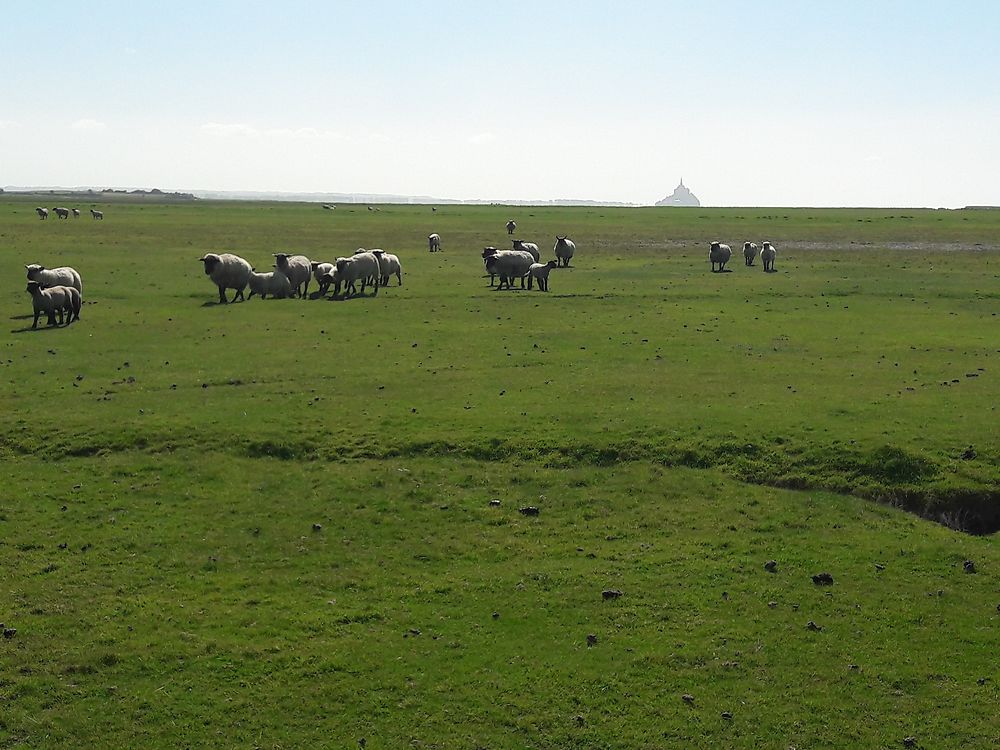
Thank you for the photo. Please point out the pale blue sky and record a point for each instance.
(777, 103)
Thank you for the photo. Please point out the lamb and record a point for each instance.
(511, 226)
(274, 283)
(62, 276)
(527, 247)
(97, 214)
(564, 249)
(767, 254)
(227, 271)
(52, 300)
(488, 253)
(434, 243)
(76, 213)
(510, 265)
(319, 270)
(541, 271)
(62, 213)
(720, 254)
(390, 265)
(749, 252)
(361, 267)
(43, 213)
(298, 269)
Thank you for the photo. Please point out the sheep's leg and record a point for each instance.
(35, 323)
(222, 295)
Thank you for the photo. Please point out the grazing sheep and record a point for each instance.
(62, 213)
(319, 270)
(564, 249)
(97, 214)
(274, 283)
(527, 247)
(43, 213)
(767, 255)
(362, 267)
(509, 265)
(76, 213)
(298, 269)
(227, 271)
(511, 226)
(540, 271)
(62, 276)
(489, 252)
(56, 299)
(749, 252)
(434, 243)
(720, 254)
(390, 265)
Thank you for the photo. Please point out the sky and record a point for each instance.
(849, 103)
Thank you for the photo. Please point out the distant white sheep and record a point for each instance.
(298, 269)
(274, 283)
(97, 214)
(43, 213)
(389, 263)
(62, 276)
(434, 243)
(227, 271)
(57, 299)
(511, 226)
(61, 212)
(719, 254)
(564, 249)
(749, 252)
(540, 271)
(767, 255)
(76, 213)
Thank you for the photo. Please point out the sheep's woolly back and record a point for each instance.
(49, 277)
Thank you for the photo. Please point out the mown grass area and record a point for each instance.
(182, 451)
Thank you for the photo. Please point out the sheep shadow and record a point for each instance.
(724, 270)
(770, 270)
(29, 329)
(349, 297)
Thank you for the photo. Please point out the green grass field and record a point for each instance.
(269, 524)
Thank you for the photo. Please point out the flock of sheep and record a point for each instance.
(58, 292)
(719, 254)
(63, 213)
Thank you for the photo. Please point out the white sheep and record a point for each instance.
(511, 226)
(541, 271)
(434, 243)
(319, 270)
(56, 299)
(749, 252)
(564, 249)
(43, 213)
(527, 247)
(274, 283)
(61, 212)
(76, 213)
(298, 269)
(227, 271)
(488, 253)
(767, 255)
(720, 254)
(362, 267)
(390, 265)
(97, 214)
(509, 265)
(62, 276)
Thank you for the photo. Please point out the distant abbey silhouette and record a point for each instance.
(680, 197)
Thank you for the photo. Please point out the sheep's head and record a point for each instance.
(281, 260)
(33, 288)
(211, 260)
(34, 269)
(561, 239)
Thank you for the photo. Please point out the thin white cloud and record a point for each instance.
(482, 138)
(229, 129)
(240, 129)
(89, 125)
